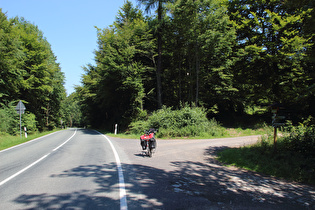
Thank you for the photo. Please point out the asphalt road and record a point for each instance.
(65, 170)
(79, 169)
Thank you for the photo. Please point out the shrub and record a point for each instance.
(301, 140)
(9, 121)
(138, 127)
(294, 158)
(29, 121)
(10, 124)
(185, 122)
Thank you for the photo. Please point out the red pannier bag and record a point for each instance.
(146, 137)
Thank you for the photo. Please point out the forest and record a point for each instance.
(29, 72)
(232, 58)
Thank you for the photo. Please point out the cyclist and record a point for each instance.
(148, 136)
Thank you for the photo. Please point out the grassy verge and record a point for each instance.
(7, 141)
(123, 136)
(293, 160)
(228, 132)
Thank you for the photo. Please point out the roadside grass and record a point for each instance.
(223, 133)
(122, 135)
(7, 141)
(286, 161)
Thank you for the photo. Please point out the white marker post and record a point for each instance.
(116, 129)
(25, 130)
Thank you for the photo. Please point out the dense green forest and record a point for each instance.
(29, 72)
(233, 58)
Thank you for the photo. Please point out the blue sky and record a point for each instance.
(68, 26)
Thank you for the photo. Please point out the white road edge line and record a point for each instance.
(34, 163)
(122, 189)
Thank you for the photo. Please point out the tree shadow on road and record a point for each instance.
(74, 200)
(191, 185)
(236, 188)
(104, 176)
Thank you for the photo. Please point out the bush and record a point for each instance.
(138, 127)
(10, 122)
(29, 121)
(294, 158)
(301, 140)
(185, 122)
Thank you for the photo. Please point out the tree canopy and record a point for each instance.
(225, 56)
(29, 71)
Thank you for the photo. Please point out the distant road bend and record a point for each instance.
(84, 169)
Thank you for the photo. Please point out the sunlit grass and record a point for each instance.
(225, 133)
(262, 157)
(7, 141)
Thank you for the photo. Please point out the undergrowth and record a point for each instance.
(293, 158)
(185, 122)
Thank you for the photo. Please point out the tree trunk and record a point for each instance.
(159, 63)
(197, 73)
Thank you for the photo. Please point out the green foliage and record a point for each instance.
(9, 120)
(11, 61)
(293, 160)
(138, 127)
(185, 122)
(29, 121)
(301, 140)
(226, 56)
(199, 45)
(71, 112)
(113, 91)
(272, 50)
(29, 71)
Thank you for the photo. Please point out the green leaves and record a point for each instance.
(185, 122)
(275, 45)
(29, 70)
(219, 54)
(116, 83)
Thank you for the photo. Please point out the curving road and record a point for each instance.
(65, 170)
(80, 169)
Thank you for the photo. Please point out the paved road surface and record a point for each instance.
(74, 176)
(77, 169)
(184, 174)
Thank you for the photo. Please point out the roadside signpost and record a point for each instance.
(20, 108)
(277, 121)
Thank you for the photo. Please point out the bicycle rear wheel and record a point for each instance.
(149, 151)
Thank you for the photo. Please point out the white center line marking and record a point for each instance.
(34, 163)
(24, 169)
(65, 141)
